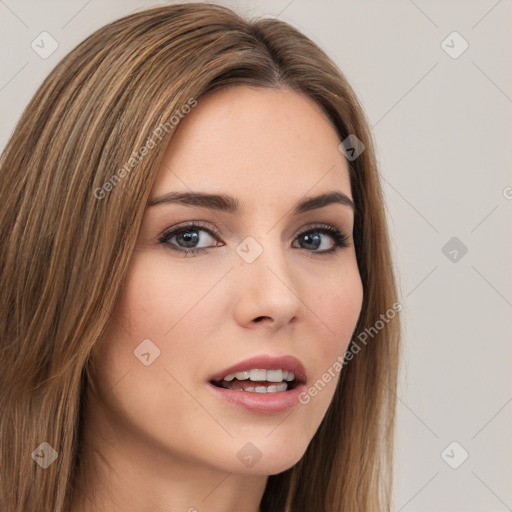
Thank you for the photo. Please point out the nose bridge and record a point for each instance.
(262, 253)
(265, 279)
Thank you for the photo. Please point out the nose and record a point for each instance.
(267, 290)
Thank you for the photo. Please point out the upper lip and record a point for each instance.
(267, 362)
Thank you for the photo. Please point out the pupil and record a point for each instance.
(314, 239)
(189, 237)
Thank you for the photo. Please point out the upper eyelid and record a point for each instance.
(193, 224)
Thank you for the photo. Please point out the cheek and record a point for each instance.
(159, 304)
(160, 312)
(339, 309)
(159, 298)
(142, 312)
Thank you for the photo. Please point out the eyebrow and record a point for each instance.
(229, 204)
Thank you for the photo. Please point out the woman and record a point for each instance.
(197, 289)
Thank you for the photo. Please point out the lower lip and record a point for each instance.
(262, 403)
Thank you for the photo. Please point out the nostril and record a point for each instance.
(261, 318)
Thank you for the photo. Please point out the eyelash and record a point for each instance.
(340, 240)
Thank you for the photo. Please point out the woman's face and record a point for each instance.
(267, 279)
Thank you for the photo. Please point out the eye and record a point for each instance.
(315, 238)
(191, 238)
(198, 238)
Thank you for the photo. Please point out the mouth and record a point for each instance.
(262, 374)
(263, 384)
(258, 380)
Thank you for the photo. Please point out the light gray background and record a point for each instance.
(442, 126)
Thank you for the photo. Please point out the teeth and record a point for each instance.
(277, 387)
(273, 388)
(260, 375)
(265, 389)
(290, 376)
(275, 375)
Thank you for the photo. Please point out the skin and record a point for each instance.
(156, 437)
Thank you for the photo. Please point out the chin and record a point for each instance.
(270, 463)
(285, 464)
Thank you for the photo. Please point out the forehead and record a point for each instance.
(253, 141)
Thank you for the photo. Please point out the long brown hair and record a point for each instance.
(66, 241)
